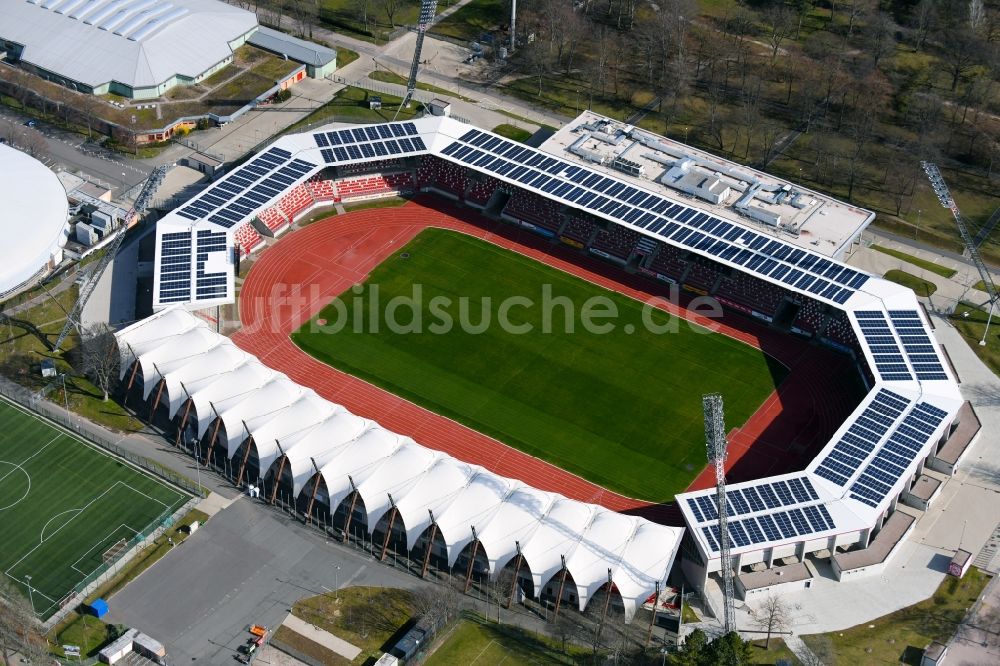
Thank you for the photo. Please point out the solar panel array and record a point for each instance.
(895, 456)
(883, 346)
(209, 285)
(247, 189)
(751, 499)
(175, 267)
(919, 349)
(769, 527)
(681, 225)
(849, 454)
(369, 142)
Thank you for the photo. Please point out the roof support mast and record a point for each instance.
(715, 440)
(427, 10)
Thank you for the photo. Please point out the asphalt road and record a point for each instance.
(74, 153)
(247, 565)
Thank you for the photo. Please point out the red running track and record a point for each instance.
(298, 276)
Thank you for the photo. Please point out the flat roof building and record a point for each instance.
(134, 48)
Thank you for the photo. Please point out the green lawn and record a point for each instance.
(970, 321)
(489, 644)
(920, 286)
(366, 617)
(620, 408)
(350, 105)
(345, 16)
(64, 504)
(512, 132)
(472, 20)
(943, 271)
(900, 637)
(391, 77)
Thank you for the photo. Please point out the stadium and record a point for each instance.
(136, 49)
(37, 216)
(818, 466)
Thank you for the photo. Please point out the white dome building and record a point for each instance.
(36, 221)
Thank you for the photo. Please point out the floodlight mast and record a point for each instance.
(427, 10)
(715, 441)
(87, 289)
(944, 196)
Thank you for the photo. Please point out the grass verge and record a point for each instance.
(391, 77)
(971, 320)
(512, 132)
(476, 641)
(307, 648)
(943, 271)
(920, 286)
(900, 637)
(366, 617)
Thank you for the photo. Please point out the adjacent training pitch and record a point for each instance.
(66, 507)
(621, 409)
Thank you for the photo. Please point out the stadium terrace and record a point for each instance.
(738, 235)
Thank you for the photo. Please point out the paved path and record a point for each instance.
(322, 637)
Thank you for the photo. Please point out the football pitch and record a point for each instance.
(66, 508)
(621, 408)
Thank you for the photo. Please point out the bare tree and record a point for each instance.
(773, 616)
(439, 603)
(779, 22)
(20, 632)
(35, 144)
(391, 7)
(100, 357)
(881, 37)
(362, 7)
(923, 19)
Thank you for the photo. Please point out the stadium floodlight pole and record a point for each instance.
(472, 559)
(513, 24)
(715, 441)
(989, 320)
(940, 188)
(31, 595)
(87, 288)
(427, 10)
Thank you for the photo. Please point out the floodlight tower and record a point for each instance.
(715, 441)
(944, 196)
(427, 10)
(513, 24)
(87, 289)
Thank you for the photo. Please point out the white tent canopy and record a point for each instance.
(351, 453)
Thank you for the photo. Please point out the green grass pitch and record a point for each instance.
(64, 505)
(622, 410)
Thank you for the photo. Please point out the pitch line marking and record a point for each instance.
(30, 457)
(61, 527)
(28, 476)
(97, 545)
(42, 535)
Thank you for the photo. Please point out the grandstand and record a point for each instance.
(263, 428)
(37, 218)
(767, 249)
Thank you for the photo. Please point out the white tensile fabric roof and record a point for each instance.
(314, 432)
(35, 215)
(139, 43)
